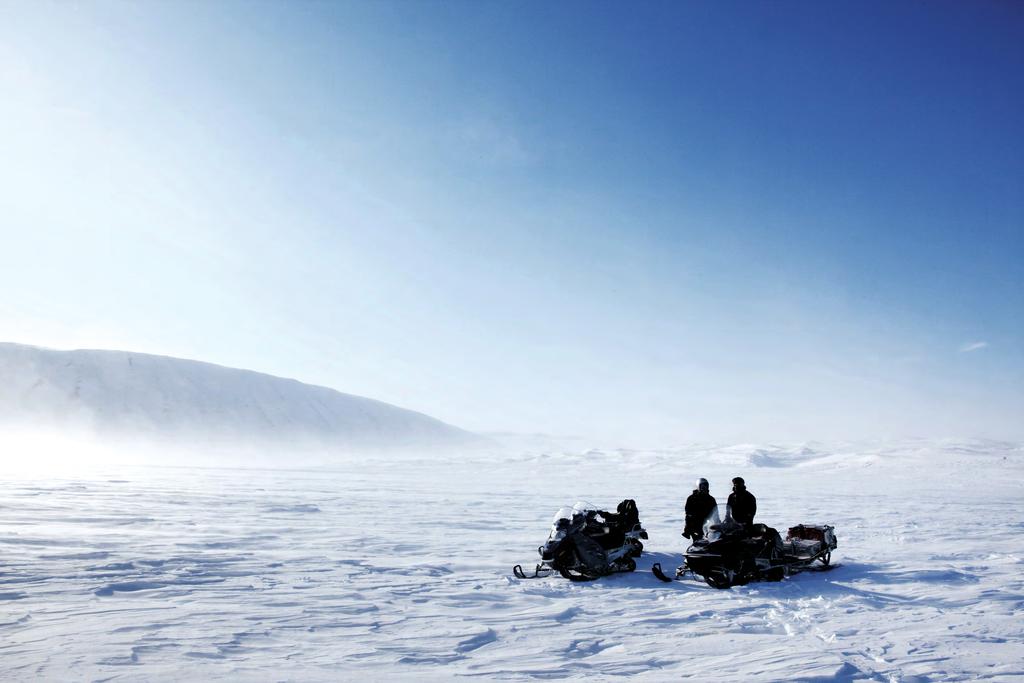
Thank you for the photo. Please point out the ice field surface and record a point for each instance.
(400, 567)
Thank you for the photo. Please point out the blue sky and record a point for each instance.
(656, 222)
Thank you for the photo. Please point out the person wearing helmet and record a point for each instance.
(699, 506)
(742, 505)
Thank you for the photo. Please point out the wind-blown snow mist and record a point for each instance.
(130, 403)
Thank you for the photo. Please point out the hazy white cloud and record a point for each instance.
(973, 346)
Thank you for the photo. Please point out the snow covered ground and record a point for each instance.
(400, 568)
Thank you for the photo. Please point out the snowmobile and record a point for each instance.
(586, 543)
(733, 554)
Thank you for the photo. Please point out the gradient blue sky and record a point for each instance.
(647, 222)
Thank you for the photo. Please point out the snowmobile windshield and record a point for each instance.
(569, 518)
(583, 506)
(564, 512)
(570, 513)
(713, 520)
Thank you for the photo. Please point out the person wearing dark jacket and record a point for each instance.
(742, 504)
(699, 506)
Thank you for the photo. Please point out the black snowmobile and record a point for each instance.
(586, 543)
(733, 554)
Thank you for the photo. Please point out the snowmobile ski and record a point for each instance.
(656, 570)
(681, 573)
(539, 572)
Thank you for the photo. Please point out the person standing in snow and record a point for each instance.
(699, 506)
(742, 505)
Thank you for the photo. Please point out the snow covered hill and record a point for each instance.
(119, 393)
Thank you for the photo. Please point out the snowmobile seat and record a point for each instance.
(765, 533)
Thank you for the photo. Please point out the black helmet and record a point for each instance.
(738, 481)
(702, 483)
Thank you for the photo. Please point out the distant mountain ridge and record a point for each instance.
(127, 393)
